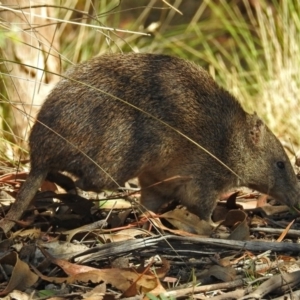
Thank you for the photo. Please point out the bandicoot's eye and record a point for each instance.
(280, 164)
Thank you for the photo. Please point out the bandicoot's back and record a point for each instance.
(124, 140)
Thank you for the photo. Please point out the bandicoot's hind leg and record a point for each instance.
(24, 197)
(62, 180)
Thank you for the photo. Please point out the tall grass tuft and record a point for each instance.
(253, 51)
(265, 68)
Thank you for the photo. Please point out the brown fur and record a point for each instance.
(126, 143)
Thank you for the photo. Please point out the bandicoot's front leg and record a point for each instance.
(24, 197)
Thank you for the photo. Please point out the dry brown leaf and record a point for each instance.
(115, 204)
(114, 234)
(233, 217)
(95, 296)
(96, 293)
(14, 178)
(219, 213)
(264, 266)
(48, 186)
(122, 279)
(63, 249)
(286, 258)
(164, 269)
(270, 210)
(230, 260)
(18, 295)
(171, 280)
(222, 209)
(111, 238)
(241, 232)
(6, 197)
(262, 200)
(133, 232)
(157, 223)
(186, 221)
(83, 231)
(237, 221)
(122, 235)
(225, 274)
(248, 204)
(231, 202)
(119, 220)
(32, 234)
(158, 290)
(285, 231)
(160, 272)
(21, 277)
(257, 221)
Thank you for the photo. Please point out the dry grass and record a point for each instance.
(254, 54)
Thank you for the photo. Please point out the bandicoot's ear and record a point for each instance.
(256, 129)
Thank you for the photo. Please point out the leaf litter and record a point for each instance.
(88, 246)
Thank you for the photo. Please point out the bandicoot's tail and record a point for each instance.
(24, 197)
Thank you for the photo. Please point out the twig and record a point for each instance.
(205, 288)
